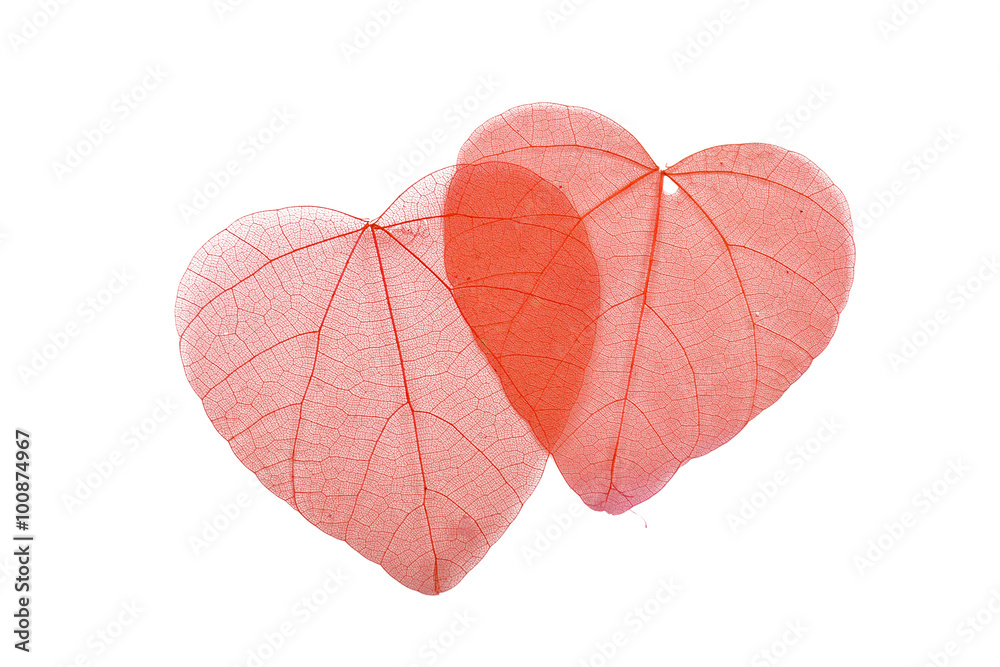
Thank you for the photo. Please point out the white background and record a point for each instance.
(885, 99)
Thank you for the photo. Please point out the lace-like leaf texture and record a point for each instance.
(720, 279)
(401, 382)
(329, 352)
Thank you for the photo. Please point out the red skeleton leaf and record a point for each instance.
(720, 279)
(331, 354)
(401, 382)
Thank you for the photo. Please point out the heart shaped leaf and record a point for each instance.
(330, 353)
(720, 279)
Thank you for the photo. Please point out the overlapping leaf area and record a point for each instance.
(719, 280)
(402, 382)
